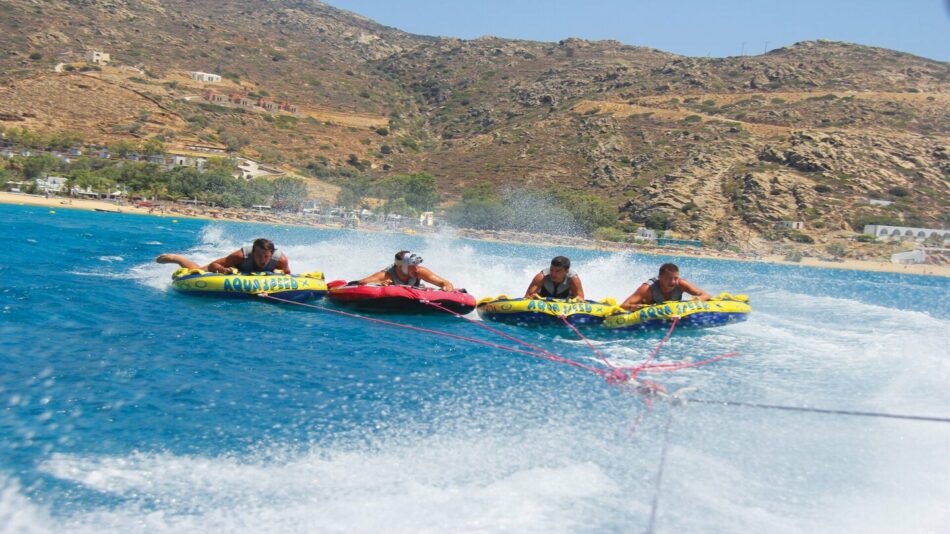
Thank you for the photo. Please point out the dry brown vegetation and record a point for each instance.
(719, 148)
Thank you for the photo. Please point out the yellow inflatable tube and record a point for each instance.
(721, 310)
(541, 311)
(607, 316)
(296, 287)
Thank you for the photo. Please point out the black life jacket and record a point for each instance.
(556, 291)
(247, 265)
(658, 297)
(413, 280)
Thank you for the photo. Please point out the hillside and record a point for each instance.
(714, 148)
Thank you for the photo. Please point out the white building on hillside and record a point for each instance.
(645, 233)
(790, 225)
(205, 77)
(902, 233)
(97, 58)
(179, 160)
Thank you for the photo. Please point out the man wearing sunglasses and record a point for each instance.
(407, 271)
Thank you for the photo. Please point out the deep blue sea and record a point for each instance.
(125, 407)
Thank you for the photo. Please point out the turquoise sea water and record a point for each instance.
(125, 407)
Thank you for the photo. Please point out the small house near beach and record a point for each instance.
(216, 97)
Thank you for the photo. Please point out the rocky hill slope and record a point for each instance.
(719, 149)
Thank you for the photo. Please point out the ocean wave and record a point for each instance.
(18, 514)
(96, 274)
(430, 485)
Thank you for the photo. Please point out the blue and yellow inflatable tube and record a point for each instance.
(719, 311)
(541, 311)
(296, 287)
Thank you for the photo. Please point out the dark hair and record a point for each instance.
(263, 243)
(401, 254)
(669, 268)
(561, 261)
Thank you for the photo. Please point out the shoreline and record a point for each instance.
(165, 210)
(707, 254)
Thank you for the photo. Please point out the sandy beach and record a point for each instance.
(234, 215)
(23, 199)
(163, 209)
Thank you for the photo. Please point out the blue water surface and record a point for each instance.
(127, 407)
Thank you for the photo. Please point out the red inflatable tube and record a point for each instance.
(399, 299)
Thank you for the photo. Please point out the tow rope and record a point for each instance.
(614, 376)
(886, 415)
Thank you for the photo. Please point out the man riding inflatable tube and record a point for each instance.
(407, 270)
(667, 287)
(261, 256)
(556, 282)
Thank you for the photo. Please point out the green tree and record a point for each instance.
(65, 140)
(153, 147)
(34, 167)
(257, 191)
(480, 208)
(589, 211)
(139, 178)
(289, 192)
(349, 198)
(418, 190)
(658, 221)
(234, 141)
(398, 206)
(22, 137)
(184, 182)
(227, 165)
(608, 234)
(229, 200)
(98, 183)
(5, 176)
(123, 148)
(353, 191)
(480, 191)
(480, 214)
(157, 190)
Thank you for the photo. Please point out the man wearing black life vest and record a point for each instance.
(261, 256)
(407, 271)
(666, 287)
(556, 282)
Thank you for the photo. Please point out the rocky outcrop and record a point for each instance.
(805, 152)
(764, 198)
